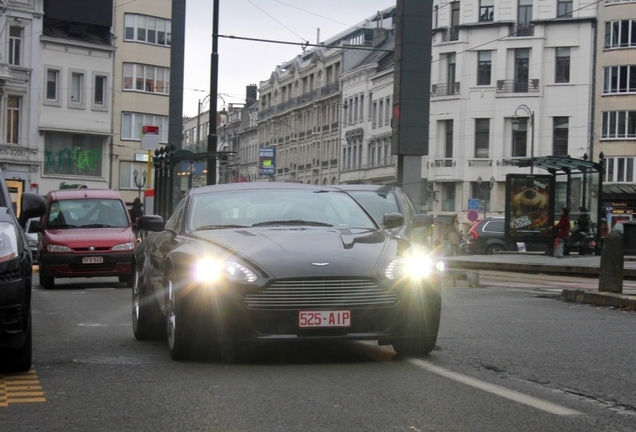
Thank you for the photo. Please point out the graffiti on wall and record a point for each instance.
(77, 160)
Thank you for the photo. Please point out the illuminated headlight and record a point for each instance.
(58, 248)
(211, 270)
(413, 267)
(8, 242)
(124, 246)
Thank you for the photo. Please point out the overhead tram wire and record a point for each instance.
(306, 44)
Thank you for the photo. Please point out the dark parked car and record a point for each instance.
(486, 236)
(259, 262)
(381, 200)
(31, 231)
(15, 281)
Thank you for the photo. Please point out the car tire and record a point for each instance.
(128, 280)
(147, 318)
(18, 359)
(495, 248)
(422, 319)
(178, 322)
(47, 282)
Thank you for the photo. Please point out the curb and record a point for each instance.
(600, 298)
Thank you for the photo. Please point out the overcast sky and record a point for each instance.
(244, 62)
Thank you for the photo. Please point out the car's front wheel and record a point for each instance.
(146, 314)
(18, 359)
(178, 322)
(494, 249)
(421, 324)
(47, 282)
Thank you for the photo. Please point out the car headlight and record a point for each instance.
(33, 243)
(413, 267)
(211, 270)
(124, 246)
(8, 242)
(58, 248)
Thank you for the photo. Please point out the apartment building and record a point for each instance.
(492, 62)
(301, 107)
(20, 78)
(614, 131)
(141, 86)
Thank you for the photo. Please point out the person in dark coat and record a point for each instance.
(580, 230)
(136, 211)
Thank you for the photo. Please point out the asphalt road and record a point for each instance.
(508, 359)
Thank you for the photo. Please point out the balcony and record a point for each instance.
(451, 34)
(445, 89)
(523, 30)
(513, 86)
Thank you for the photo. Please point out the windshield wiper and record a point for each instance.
(97, 226)
(213, 227)
(292, 222)
(63, 226)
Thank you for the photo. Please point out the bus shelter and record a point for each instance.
(573, 183)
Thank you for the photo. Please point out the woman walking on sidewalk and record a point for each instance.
(561, 231)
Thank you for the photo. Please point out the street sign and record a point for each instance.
(149, 137)
(473, 204)
(472, 215)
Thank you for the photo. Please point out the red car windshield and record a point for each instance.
(87, 213)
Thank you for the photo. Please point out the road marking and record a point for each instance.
(497, 390)
(20, 388)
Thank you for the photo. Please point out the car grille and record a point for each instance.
(322, 293)
(9, 276)
(90, 268)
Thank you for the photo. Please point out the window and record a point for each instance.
(524, 18)
(486, 10)
(448, 197)
(564, 8)
(522, 66)
(560, 136)
(520, 139)
(381, 113)
(150, 79)
(15, 45)
(141, 28)
(77, 87)
(482, 138)
(99, 98)
(133, 122)
(562, 73)
(448, 138)
(387, 111)
(619, 79)
(484, 67)
(374, 115)
(450, 72)
(619, 169)
(52, 84)
(73, 154)
(620, 34)
(13, 119)
(619, 124)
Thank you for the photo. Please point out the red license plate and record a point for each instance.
(314, 319)
(92, 260)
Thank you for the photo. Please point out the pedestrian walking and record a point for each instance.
(453, 236)
(136, 211)
(562, 232)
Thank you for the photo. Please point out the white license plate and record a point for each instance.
(92, 260)
(313, 319)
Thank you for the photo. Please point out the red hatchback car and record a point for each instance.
(85, 233)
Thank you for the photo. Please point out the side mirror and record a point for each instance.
(151, 223)
(32, 205)
(392, 220)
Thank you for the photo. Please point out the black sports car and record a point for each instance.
(257, 262)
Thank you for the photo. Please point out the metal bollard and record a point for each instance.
(612, 263)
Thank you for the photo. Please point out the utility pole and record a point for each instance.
(214, 90)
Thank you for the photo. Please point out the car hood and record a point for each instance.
(288, 252)
(98, 237)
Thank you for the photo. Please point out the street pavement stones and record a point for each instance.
(463, 271)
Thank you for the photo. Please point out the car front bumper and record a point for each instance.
(71, 265)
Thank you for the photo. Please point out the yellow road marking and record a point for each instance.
(20, 388)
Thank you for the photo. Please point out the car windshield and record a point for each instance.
(277, 207)
(87, 213)
(377, 203)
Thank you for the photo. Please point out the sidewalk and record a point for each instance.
(535, 263)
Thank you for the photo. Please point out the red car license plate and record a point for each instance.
(92, 260)
(312, 319)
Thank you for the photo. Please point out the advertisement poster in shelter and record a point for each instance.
(529, 205)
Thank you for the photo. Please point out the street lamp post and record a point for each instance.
(490, 186)
(138, 184)
(515, 127)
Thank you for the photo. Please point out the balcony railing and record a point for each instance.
(513, 86)
(445, 89)
(451, 34)
(523, 30)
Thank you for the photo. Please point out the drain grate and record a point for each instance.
(123, 360)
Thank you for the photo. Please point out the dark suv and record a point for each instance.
(486, 236)
(16, 265)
